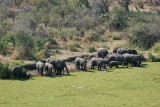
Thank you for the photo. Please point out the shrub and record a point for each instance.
(72, 48)
(5, 72)
(140, 4)
(142, 58)
(116, 37)
(156, 47)
(93, 37)
(4, 40)
(16, 63)
(105, 46)
(91, 49)
(145, 35)
(24, 44)
(152, 58)
(42, 54)
(117, 20)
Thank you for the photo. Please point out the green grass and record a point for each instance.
(122, 87)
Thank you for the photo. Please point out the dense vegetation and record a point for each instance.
(133, 86)
(29, 28)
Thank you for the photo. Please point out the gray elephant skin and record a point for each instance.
(114, 63)
(59, 67)
(102, 52)
(99, 62)
(81, 64)
(40, 67)
(17, 72)
(134, 60)
(48, 68)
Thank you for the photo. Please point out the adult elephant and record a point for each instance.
(125, 50)
(59, 67)
(81, 64)
(40, 67)
(114, 63)
(115, 49)
(48, 68)
(134, 60)
(17, 72)
(102, 52)
(99, 62)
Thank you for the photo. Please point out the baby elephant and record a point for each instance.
(81, 64)
(48, 68)
(17, 71)
(40, 66)
(114, 63)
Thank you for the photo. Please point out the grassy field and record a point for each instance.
(122, 87)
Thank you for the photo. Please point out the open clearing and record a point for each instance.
(122, 87)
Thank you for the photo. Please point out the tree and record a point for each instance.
(125, 4)
(27, 22)
(100, 6)
(24, 44)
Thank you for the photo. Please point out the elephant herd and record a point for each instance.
(51, 65)
(119, 56)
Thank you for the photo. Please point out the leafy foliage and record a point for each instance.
(24, 43)
(5, 72)
(4, 40)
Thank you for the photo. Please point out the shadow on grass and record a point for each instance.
(143, 66)
(91, 71)
(55, 76)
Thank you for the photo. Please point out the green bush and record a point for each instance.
(152, 58)
(42, 54)
(93, 37)
(140, 4)
(16, 63)
(145, 35)
(5, 72)
(72, 48)
(116, 37)
(4, 40)
(105, 46)
(92, 49)
(117, 20)
(24, 44)
(156, 47)
(142, 58)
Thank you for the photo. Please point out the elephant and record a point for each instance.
(40, 67)
(48, 68)
(116, 57)
(99, 62)
(134, 60)
(132, 51)
(122, 50)
(102, 52)
(93, 62)
(115, 49)
(25, 75)
(114, 63)
(125, 50)
(17, 72)
(81, 64)
(59, 67)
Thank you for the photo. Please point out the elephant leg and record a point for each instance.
(51, 71)
(116, 66)
(38, 70)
